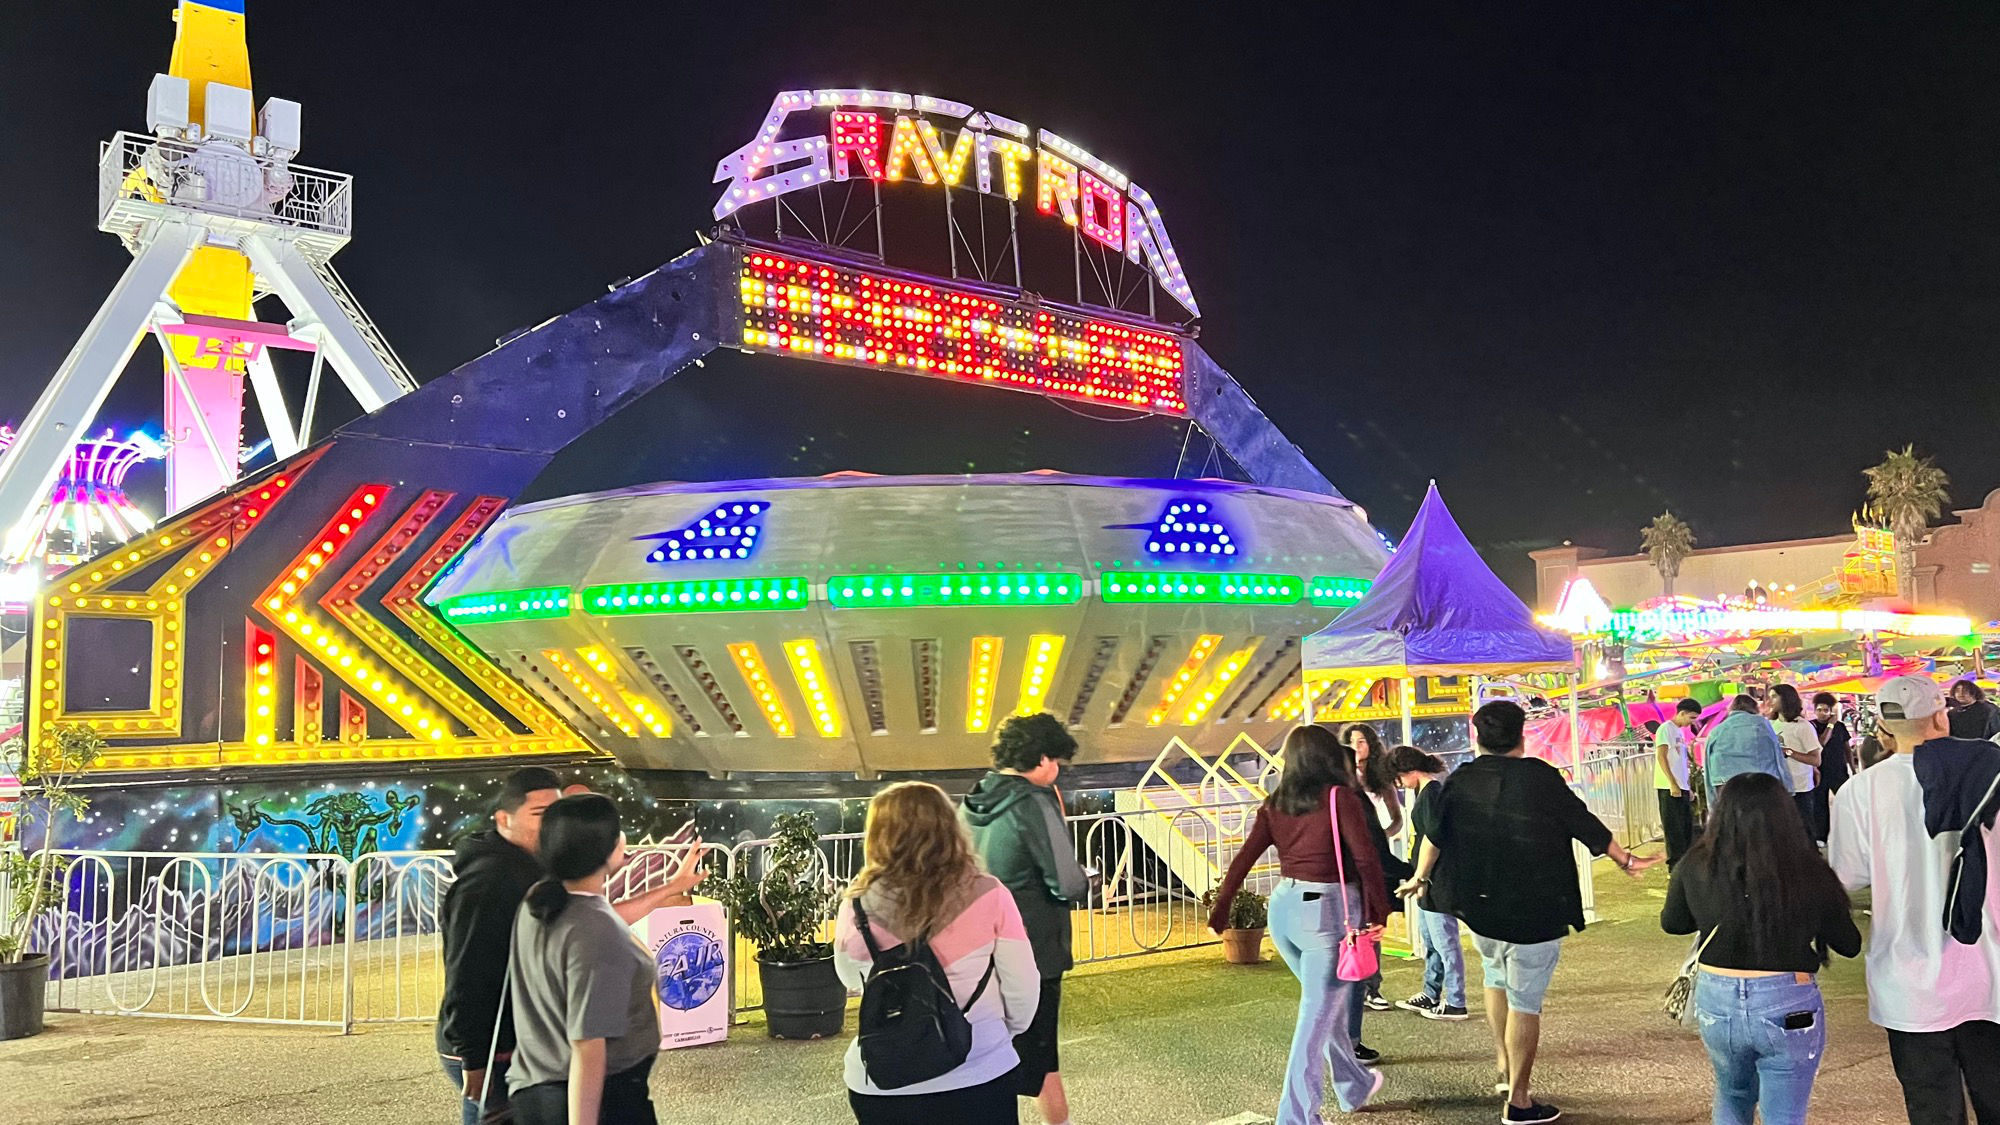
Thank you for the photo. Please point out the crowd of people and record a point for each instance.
(549, 1018)
(1798, 816)
(548, 1011)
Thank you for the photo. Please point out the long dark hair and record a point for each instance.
(1375, 775)
(1315, 762)
(578, 835)
(1790, 707)
(1756, 850)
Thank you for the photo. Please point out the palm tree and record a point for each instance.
(1667, 540)
(1905, 493)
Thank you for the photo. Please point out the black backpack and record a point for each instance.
(912, 1028)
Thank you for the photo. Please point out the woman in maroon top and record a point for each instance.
(1311, 910)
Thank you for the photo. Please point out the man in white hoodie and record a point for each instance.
(1915, 828)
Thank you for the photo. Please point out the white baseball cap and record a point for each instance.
(1910, 697)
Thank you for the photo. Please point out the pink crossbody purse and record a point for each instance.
(1359, 956)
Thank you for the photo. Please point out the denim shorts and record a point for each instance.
(1522, 970)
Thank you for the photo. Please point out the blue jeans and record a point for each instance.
(1358, 1007)
(496, 1089)
(1306, 927)
(1444, 958)
(1758, 1061)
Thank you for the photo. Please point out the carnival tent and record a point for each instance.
(1437, 609)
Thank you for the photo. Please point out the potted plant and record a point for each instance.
(46, 772)
(1249, 913)
(782, 912)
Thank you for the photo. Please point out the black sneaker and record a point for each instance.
(1447, 1012)
(1420, 1004)
(1376, 1003)
(1533, 1112)
(1364, 1053)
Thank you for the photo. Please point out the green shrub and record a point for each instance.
(1249, 911)
(783, 912)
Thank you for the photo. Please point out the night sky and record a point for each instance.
(1579, 263)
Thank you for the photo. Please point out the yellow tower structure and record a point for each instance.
(216, 214)
(210, 45)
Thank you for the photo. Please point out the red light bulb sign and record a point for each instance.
(837, 314)
(859, 141)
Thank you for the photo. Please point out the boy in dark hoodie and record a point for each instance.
(1016, 818)
(493, 870)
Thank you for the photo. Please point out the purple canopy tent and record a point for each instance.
(1435, 610)
(1438, 610)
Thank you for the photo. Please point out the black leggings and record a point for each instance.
(988, 1104)
(627, 1101)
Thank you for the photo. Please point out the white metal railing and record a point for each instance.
(322, 940)
(246, 937)
(1616, 780)
(217, 177)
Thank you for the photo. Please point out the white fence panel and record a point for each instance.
(320, 940)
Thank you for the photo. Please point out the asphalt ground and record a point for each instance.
(1171, 1038)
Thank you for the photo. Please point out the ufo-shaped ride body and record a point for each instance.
(864, 625)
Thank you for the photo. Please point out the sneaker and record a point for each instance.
(1326, 1118)
(1364, 1053)
(1447, 1012)
(1533, 1112)
(1373, 1089)
(1420, 1004)
(1376, 1003)
(1500, 1083)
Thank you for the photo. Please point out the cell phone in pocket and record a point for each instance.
(1798, 1021)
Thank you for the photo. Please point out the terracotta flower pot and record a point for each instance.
(1243, 947)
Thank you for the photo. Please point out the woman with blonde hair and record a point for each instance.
(922, 883)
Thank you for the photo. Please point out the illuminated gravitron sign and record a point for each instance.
(856, 139)
(798, 306)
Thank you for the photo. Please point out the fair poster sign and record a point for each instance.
(690, 951)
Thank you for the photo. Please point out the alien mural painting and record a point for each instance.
(348, 824)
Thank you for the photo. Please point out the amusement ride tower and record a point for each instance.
(216, 216)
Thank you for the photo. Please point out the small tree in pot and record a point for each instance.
(1249, 914)
(783, 912)
(34, 884)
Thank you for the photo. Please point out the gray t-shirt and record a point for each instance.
(582, 976)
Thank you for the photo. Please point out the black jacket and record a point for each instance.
(493, 876)
(1019, 831)
(1505, 867)
(1961, 784)
(1979, 720)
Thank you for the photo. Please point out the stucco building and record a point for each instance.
(1956, 569)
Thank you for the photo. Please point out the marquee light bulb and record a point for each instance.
(1038, 672)
(750, 665)
(982, 678)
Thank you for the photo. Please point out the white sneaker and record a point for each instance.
(1380, 1078)
(1373, 1090)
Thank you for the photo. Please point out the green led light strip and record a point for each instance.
(1339, 591)
(1188, 586)
(982, 588)
(700, 595)
(506, 605)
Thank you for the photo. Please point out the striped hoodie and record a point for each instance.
(988, 930)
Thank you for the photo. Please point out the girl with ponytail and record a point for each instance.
(586, 1030)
